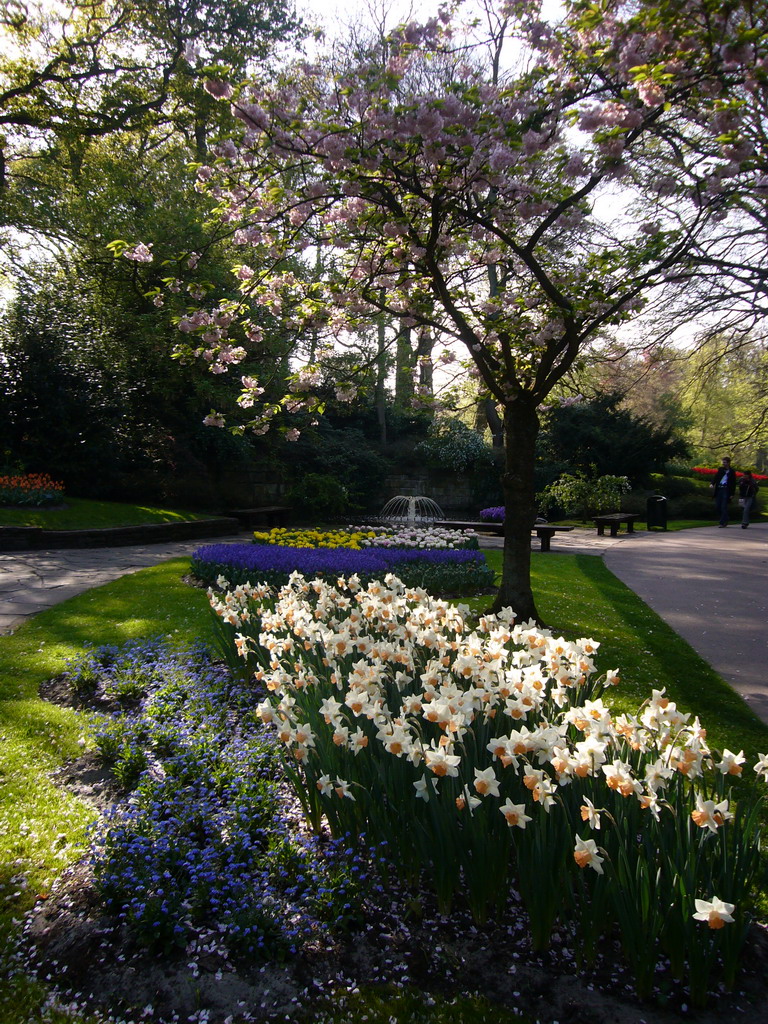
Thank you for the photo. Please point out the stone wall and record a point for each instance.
(451, 491)
(252, 487)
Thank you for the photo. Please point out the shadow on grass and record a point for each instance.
(149, 603)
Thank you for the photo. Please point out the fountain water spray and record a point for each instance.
(405, 508)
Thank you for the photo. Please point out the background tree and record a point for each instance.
(725, 392)
(478, 210)
(599, 438)
(106, 105)
(80, 70)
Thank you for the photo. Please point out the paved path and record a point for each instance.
(33, 580)
(710, 585)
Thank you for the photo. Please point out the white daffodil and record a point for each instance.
(731, 763)
(715, 912)
(486, 783)
(589, 813)
(515, 814)
(325, 785)
(586, 855)
(710, 815)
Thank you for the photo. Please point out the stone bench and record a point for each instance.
(543, 531)
(614, 520)
(467, 524)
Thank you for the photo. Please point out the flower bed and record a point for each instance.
(444, 571)
(353, 537)
(34, 489)
(203, 845)
(488, 760)
(419, 537)
(705, 471)
(358, 537)
(494, 514)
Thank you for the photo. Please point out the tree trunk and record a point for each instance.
(521, 425)
(487, 416)
(381, 378)
(405, 362)
(426, 367)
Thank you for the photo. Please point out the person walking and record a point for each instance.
(747, 495)
(724, 487)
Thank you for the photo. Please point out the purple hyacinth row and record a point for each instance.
(311, 561)
(495, 514)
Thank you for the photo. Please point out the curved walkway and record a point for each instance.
(33, 580)
(710, 585)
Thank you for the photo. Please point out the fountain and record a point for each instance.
(411, 509)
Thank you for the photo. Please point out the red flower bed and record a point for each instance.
(706, 471)
(35, 489)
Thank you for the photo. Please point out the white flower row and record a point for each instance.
(415, 537)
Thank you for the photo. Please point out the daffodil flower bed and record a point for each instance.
(445, 571)
(486, 757)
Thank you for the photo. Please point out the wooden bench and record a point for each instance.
(614, 521)
(543, 531)
(271, 515)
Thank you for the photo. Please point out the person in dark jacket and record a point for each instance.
(724, 487)
(747, 495)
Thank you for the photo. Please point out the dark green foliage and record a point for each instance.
(452, 444)
(319, 494)
(675, 486)
(598, 438)
(342, 453)
(87, 389)
(89, 393)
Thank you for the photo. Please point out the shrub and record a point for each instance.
(583, 497)
(452, 444)
(318, 494)
(599, 437)
(692, 507)
(674, 486)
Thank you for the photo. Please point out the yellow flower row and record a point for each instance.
(313, 538)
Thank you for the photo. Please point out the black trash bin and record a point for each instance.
(656, 512)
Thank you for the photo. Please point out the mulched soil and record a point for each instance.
(90, 959)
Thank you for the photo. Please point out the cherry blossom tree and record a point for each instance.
(533, 192)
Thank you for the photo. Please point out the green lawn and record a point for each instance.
(673, 525)
(42, 825)
(80, 514)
